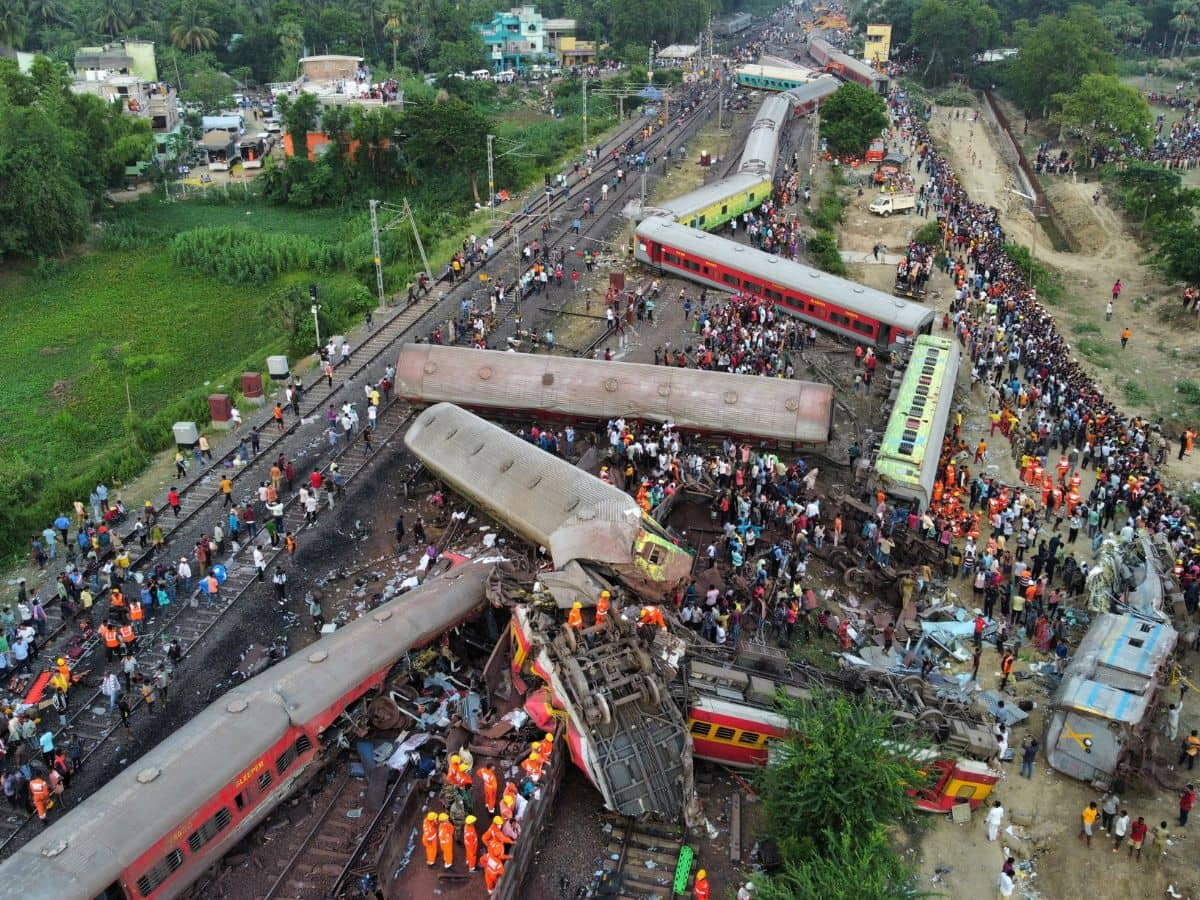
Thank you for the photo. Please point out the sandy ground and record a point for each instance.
(1065, 867)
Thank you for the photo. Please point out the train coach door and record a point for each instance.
(113, 892)
(653, 250)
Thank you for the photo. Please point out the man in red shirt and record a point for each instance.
(1186, 801)
(173, 500)
(315, 480)
(1137, 836)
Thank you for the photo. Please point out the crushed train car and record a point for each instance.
(547, 501)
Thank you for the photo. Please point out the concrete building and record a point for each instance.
(556, 30)
(878, 47)
(340, 81)
(515, 39)
(127, 72)
(574, 52)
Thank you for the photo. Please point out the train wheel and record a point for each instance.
(603, 709)
(651, 692)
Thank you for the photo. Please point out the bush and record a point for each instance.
(823, 250)
(830, 211)
(954, 95)
(243, 256)
(929, 235)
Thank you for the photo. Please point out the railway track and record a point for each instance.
(201, 499)
(641, 861)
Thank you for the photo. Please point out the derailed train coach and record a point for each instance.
(576, 516)
(786, 413)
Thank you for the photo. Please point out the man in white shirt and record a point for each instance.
(994, 817)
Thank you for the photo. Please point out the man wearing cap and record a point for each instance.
(701, 890)
(602, 608)
(429, 835)
(746, 891)
(471, 842)
(445, 837)
(575, 616)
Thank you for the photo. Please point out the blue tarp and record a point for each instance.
(650, 93)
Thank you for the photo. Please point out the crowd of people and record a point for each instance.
(468, 793)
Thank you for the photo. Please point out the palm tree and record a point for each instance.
(393, 25)
(45, 12)
(193, 36)
(14, 23)
(112, 17)
(1184, 20)
(291, 43)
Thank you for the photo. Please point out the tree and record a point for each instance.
(1124, 20)
(866, 869)
(190, 31)
(14, 24)
(299, 116)
(851, 118)
(212, 91)
(45, 12)
(1179, 251)
(112, 17)
(949, 33)
(291, 45)
(1184, 19)
(834, 733)
(393, 26)
(1105, 112)
(897, 13)
(1056, 53)
(451, 135)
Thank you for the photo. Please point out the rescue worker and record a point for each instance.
(1006, 667)
(532, 767)
(487, 778)
(701, 890)
(109, 635)
(453, 775)
(493, 868)
(137, 615)
(495, 838)
(128, 639)
(39, 793)
(575, 616)
(429, 837)
(63, 669)
(602, 608)
(471, 842)
(652, 615)
(445, 837)
(116, 604)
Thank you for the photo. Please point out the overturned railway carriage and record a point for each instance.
(790, 414)
(907, 463)
(843, 307)
(159, 824)
(845, 66)
(772, 78)
(547, 501)
(811, 95)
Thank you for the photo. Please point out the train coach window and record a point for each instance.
(161, 871)
(773, 294)
(240, 801)
(724, 734)
(752, 287)
(701, 729)
(839, 319)
(864, 327)
(731, 279)
(264, 781)
(210, 829)
(691, 265)
(288, 756)
(750, 738)
(670, 257)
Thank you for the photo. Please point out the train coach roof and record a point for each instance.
(745, 405)
(814, 90)
(548, 501)
(93, 844)
(847, 294)
(703, 197)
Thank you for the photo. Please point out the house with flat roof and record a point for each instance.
(127, 72)
(515, 39)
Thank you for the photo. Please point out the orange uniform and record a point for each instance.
(602, 608)
(493, 868)
(575, 617)
(40, 792)
(471, 842)
(445, 837)
(701, 890)
(429, 837)
(532, 766)
(488, 779)
(495, 839)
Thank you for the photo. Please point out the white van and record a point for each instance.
(886, 204)
(508, 76)
(481, 75)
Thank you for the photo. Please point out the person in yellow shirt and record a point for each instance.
(1089, 822)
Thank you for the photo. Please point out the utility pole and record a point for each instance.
(517, 283)
(375, 252)
(491, 181)
(412, 220)
(585, 122)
